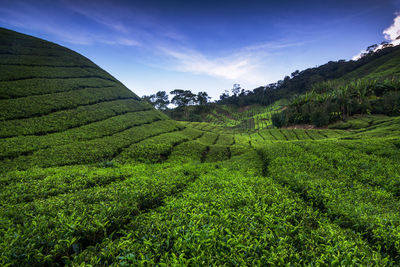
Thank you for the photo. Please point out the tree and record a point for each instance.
(236, 89)
(158, 100)
(182, 99)
(372, 48)
(386, 44)
(225, 95)
(286, 79)
(295, 73)
(151, 99)
(202, 98)
(161, 100)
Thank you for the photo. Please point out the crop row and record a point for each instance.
(383, 129)
(15, 41)
(14, 44)
(366, 168)
(218, 153)
(11, 73)
(207, 127)
(339, 189)
(207, 148)
(208, 138)
(44, 61)
(14, 146)
(157, 149)
(50, 230)
(230, 217)
(359, 122)
(383, 147)
(30, 106)
(204, 150)
(42, 86)
(66, 119)
(91, 151)
(190, 151)
(45, 50)
(193, 124)
(297, 134)
(242, 138)
(265, 136)
(225, 140)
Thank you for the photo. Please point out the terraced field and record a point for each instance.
(59, 108)
(248, 117)
(91, 175)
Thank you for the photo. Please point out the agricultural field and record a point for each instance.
(266, 204)
(246, 118)
(91, 175)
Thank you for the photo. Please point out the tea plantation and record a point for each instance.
(91, 175)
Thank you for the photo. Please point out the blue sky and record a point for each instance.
(204, 45)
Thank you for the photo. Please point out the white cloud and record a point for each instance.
(231, 67)
(391, 34)
(245, 65)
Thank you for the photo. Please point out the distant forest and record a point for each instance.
(301, 81)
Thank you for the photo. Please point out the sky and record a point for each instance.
(206, 45)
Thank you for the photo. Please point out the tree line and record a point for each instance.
(181, 98)
(331, 101)
(187, 103)
(191, 106)
(301, 81)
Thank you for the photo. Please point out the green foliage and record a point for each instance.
(279, 119)
(67, 119)
(221, 219)
(26, 107)
(13, 73)
(191, 151)
(74, 213)
(381, 64)
(98, 149)
(331, 101)
(20, 145)
(158, 100)
(42, 86)
(158, 148)
(356, 190)
(206, 194)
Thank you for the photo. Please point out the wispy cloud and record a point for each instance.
(391, 34)
(170, 48)
(244, 65)
(231, 67)
(34, 17)
(96, 16)
(28, 16)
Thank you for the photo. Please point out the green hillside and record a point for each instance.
(380, 64)
(90, 175)
(386, 66)
(58, 108)
(375, 73)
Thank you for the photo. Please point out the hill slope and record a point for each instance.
(57, 107)
(381, 64)
(386, 65)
